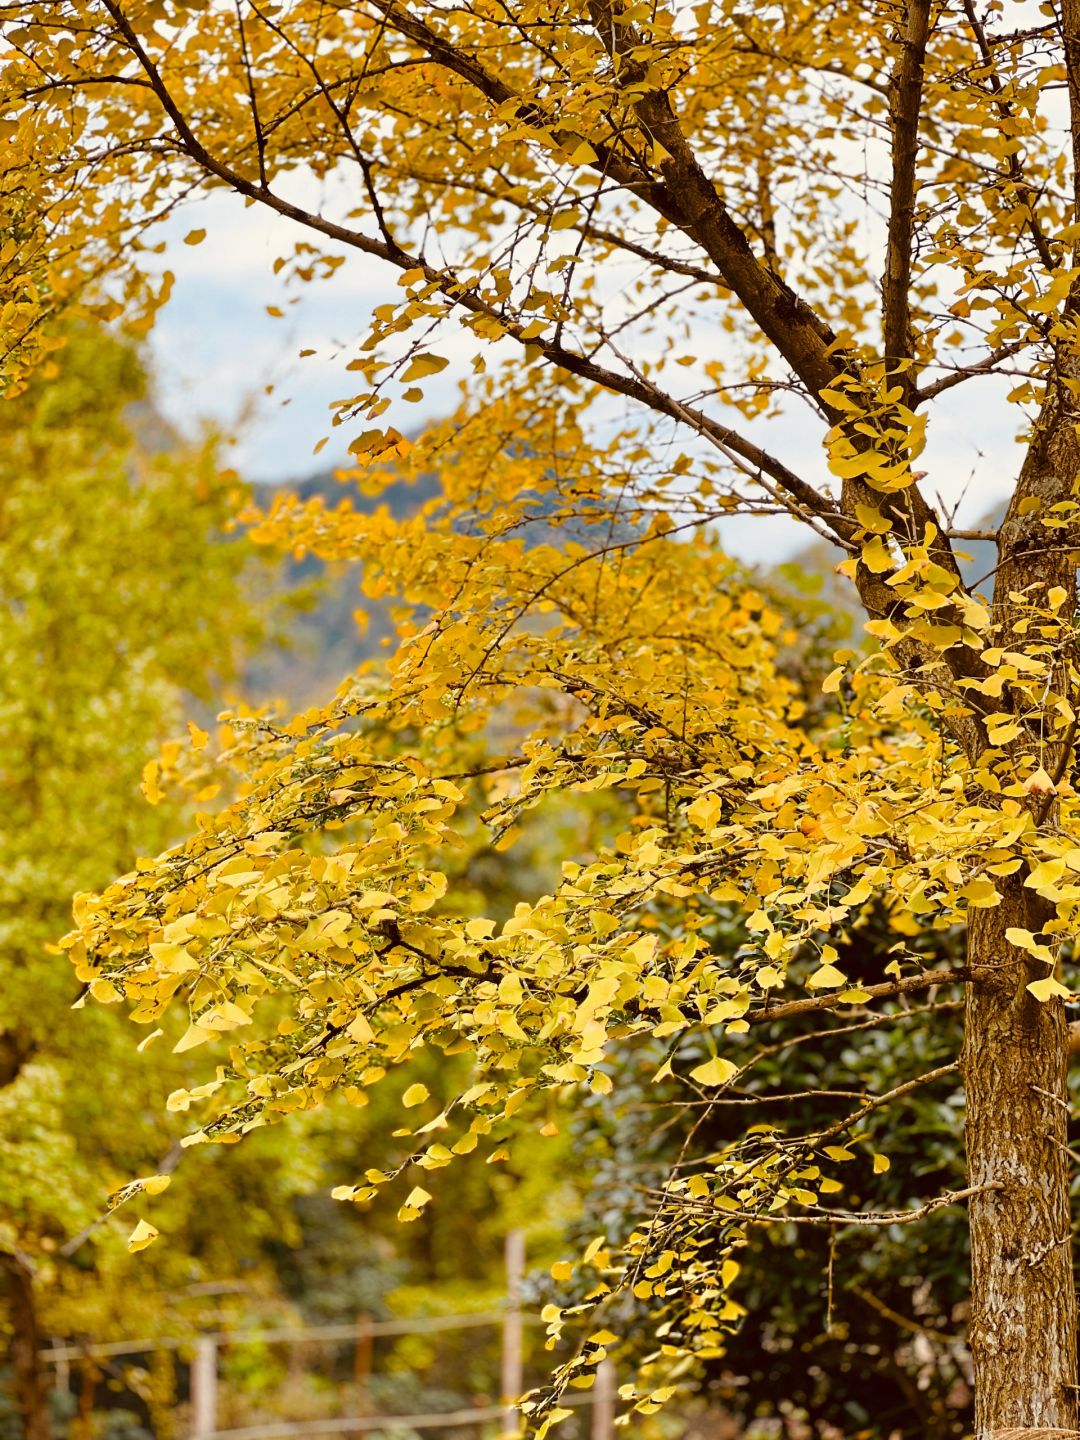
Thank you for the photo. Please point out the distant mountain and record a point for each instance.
(317, 639)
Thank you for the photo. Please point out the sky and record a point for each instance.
(216, 351)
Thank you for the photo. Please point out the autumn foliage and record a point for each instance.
(641, 233)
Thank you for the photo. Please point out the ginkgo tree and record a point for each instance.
(650, 228)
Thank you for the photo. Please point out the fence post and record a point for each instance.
(63, 1368)
(603, 1413)
(204, 1390)
(90, 1375)
(362, 1360)
(512, 1367)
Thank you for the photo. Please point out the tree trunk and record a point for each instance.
(1023, 1304)
(31, 1393)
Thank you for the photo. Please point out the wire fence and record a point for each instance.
(205, 1370)
(419, 1325)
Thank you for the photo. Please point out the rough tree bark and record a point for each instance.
(1023, 1298)
(1023, 1306)
(31, 1394)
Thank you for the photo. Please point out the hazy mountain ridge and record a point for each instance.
(319, 641)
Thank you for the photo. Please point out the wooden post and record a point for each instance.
(63, 1368)
(603, 1413)
(89, 1376)
(204, 1390)
(512, 1368)
(362, 1362)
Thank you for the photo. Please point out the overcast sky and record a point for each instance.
(216, 350)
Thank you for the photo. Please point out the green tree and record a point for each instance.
(121, 601)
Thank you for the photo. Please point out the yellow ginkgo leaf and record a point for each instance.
(1048, 988)
(716, 1071)
(831, 684)
(826, 977)
(143, 1235)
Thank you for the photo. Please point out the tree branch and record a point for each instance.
(469, 69)
(812, 1006)
(799, 335)
(967, 372)
(904, 108)
(1005, 110)
(846, 1217)
(632, 387)
(1070, 37)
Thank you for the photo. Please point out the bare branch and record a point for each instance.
(1059, 770)
(249, 78)
(878, 1102)
(968, 372)
(912, 1326)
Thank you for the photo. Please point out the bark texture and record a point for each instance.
(1023, 1316)
(31, 1394)
(1024, 1312)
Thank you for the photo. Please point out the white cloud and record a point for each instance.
(217, 350)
